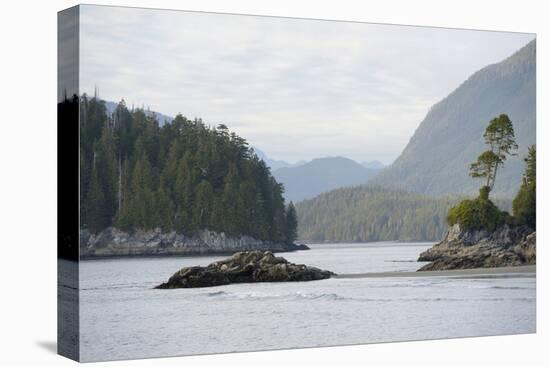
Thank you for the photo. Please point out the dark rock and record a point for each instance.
(299, 247)
(244, 267)
(527, 249)
(468, 249)
(194, 277)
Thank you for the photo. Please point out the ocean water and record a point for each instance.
(122, 316)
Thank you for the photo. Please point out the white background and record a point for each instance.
(28, 182)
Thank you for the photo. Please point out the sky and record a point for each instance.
(296, 89)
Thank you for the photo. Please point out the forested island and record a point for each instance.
(183, 181)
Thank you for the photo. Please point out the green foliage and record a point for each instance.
(184, 176)
(291, 223)
(97, 218)
(500, 136)
(525, 208)
(485, 166)
(530, 175)
(479, 213)
(525, 202)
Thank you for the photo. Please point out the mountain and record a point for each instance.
(161, 118)
(437, 158)
(373, 164)
(320, 175)
(275, 164)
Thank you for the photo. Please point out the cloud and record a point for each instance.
(297, 89)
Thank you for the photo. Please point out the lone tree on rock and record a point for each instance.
(482, 213)
(499, 135)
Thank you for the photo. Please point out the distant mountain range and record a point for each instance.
(275, 164)
(320, 175)
(437, 158)
(373, 164)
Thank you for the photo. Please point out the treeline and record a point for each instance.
(183, 176)
(525, 202)
(369, 213)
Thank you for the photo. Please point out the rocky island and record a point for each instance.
(468, 249)
(244, 267)
(481, 235)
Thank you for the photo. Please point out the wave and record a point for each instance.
(400, 261)
(335, 297)
(284, 296)
(483, 286)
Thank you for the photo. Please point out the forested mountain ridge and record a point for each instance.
(321, 175)
(366, 213)
(437, 158)
(182, 176)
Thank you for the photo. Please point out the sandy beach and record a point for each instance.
(509, 271)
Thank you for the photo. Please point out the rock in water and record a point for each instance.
(468, 249)
(244, 267)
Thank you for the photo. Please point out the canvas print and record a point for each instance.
(235, 183)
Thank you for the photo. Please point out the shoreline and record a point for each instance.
(381, 242)
(168, 255)
(505, 271)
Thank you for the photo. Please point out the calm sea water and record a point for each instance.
(122, 316)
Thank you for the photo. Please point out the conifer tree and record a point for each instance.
(291, 223)
(230, 201)
(525, 202)
(500, 137)
(97, 215)
(202, 208)
(184, 194)
(164, 213)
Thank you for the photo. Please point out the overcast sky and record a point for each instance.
(296, 89)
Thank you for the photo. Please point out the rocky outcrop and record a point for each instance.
(244, 267)
(467, 249)
(114, 242)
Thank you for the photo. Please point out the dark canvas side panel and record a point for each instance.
(68, 183)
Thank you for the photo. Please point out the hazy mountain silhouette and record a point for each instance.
(273, 163)
(320, 175)
(373, 164)
(437, 158)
